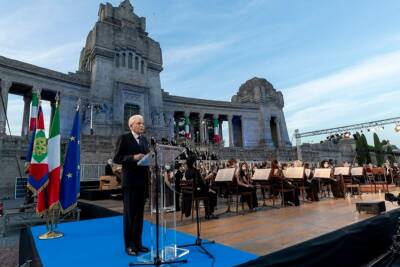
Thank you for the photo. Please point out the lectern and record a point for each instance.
(163, 249)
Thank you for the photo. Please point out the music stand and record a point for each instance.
(226, 176)
(161, 253)
(261, 177)
(323, 173)
(294, 173)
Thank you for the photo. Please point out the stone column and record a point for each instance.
(278, 131)
(242, 131)
(5, 87)
(25, 119)
(220, 131)
(202, 135)
(267, 134)
(186, 114)
(206, 140)
(230, 126)
(176, 128)
(169, 123)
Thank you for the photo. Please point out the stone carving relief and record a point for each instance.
(155, 118)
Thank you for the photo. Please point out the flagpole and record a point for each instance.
(50, 215)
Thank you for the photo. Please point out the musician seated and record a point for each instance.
(395, 173)
(278, 182)
(335, 183)
(243, 181)
(169, 190)
(209, 177)
(200, 188)
(178, 176)
(312, 184)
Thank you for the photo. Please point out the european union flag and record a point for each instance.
(71, 177)
(28, 156)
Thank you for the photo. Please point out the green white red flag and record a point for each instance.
(187, 128)
(217, 138)
(54, 155)
(34, 111)
(38, 169)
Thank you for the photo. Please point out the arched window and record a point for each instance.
(130, 57)
(142, 66)
(130, 110)
(117, 60)
(136, 63)
(123, 60)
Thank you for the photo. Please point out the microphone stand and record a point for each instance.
(199, 242)
(157, 260)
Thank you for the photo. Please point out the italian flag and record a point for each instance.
(34, 111)
(187, 131)
(53, 188)
(217, 138)
(38, 169)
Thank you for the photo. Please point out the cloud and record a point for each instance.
(341, 112)
(364, 92)
(192, 53)
(48, 58)
(349, 80)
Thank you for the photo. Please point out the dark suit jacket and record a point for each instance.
(132, 174)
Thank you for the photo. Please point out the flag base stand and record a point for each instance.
(51, 235)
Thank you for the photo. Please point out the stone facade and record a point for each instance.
(119, 75)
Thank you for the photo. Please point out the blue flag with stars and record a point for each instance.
(71, 176)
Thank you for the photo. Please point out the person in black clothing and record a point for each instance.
(177, 181)
(278, 182)
(244, 185)
(200, 187)
(131, 148)
(311, 184)
(108, 169)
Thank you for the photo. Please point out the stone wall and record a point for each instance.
(11, 151)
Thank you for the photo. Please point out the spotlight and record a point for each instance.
(347, 135)
(397, 128)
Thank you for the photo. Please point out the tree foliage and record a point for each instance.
(378, 147)
(365, 149)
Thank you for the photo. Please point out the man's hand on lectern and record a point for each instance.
(138, 157)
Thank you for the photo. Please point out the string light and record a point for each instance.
(397, 128)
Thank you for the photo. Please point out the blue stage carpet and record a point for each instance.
(99, 243)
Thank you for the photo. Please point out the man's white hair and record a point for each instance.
(133, 118)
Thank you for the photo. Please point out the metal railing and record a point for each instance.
(92, 172)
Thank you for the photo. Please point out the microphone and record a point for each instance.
(153, 141)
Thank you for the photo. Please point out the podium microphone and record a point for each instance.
(153, 141)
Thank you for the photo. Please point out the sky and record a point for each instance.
(336, 62)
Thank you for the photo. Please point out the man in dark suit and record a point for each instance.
(131, 148)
